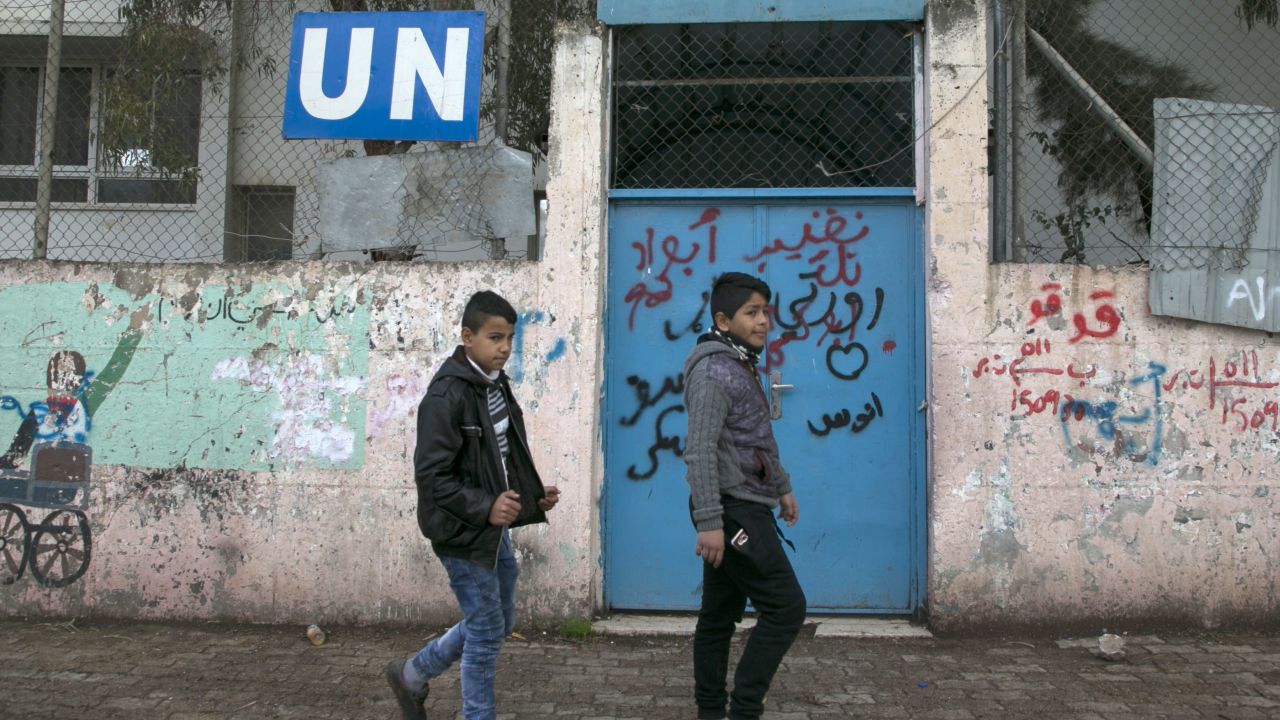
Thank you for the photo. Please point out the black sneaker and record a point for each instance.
(410, 702)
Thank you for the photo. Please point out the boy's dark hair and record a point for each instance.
(731, 291)
(484, 305)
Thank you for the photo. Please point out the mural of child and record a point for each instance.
(74, 395)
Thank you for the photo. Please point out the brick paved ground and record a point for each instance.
(190, 672)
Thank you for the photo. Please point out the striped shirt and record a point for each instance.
(501, 417)
(498, 411)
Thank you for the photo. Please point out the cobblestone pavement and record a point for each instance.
(214, 671)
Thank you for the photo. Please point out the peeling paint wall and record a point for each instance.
(249, 430)
(1092, 464)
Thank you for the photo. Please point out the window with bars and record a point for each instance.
(743, 105)
(260, 225)
(83, 173)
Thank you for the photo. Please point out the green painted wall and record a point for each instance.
(256, 378)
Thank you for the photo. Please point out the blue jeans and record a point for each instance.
(487, 598)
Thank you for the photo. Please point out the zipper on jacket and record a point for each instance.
(502, 466)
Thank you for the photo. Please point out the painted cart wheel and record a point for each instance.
(13, 540)
(60, 545)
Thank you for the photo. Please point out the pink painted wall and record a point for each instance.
(1155, 498)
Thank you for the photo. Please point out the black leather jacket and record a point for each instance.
(458, 467)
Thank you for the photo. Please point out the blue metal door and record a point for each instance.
(847, 338)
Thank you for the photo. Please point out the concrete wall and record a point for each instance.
(1092, 465)
(254, 461)
(1089, 464)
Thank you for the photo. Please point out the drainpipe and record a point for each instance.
(501, 92)
(1017, 49)
(1001, 246)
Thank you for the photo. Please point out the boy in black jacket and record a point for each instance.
(475, 479)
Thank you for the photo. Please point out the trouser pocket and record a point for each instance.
(750, 530)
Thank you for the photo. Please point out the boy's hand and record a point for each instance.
(553, 497)
(710, 546)
(505, 509)
(790, 509)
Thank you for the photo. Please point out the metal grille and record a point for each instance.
(1085, 171)
(167, 135)
(763, 105)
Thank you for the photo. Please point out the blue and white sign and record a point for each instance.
(385, 76)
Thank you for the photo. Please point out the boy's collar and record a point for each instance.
(487, 377)
(491, 377)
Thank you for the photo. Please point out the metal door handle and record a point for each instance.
(776, 387)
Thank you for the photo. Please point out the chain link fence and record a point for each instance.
(764, 105)
(1132, 131)
(167, 142)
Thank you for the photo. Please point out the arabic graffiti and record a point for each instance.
(670, 254)
(830, 309)
(870, 411)
(1107, 419)
(1051, 305)
(822, 246)
(795, 323)
(1238, 374)
(695, 326)
(1015, 369)
(824, 306)
(1135, 432)
(670, 388)
(241, 314)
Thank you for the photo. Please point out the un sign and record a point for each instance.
(385, 76)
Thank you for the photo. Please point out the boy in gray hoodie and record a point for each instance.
(736, 480)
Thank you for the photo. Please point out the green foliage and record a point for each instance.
(1254, 12)
(576, 629)
(1094, 160)
(169, 49)
(1072, 223)
(533, 24)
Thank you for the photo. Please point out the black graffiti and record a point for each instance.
(646, 400)
(798, 311)
(875, 317)
(837, 349)
(843, 418)
(660, 443)
(797, 318)
(694, 327)
(830, 422)
(225, 309)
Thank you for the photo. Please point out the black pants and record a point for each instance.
(757, 569)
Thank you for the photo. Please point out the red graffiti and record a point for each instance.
(833, 257)
(1251, 420)
(1242, 371)
(708, 216)
(669, 255)
(1051, 305)
(1060, 403)
(889, 346)
(1016, 368)
(1104, 314)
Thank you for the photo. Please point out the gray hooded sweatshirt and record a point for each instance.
(730, 449)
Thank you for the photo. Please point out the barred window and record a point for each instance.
(740, 105)
(82, 173)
